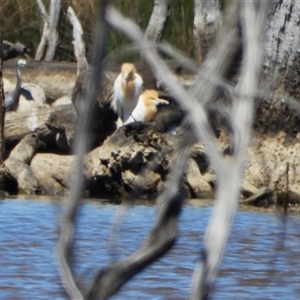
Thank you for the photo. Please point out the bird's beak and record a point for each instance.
(128, 76)
(161, 101)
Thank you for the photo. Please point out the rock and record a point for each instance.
(62, 122)
(65, 100)
(53, 172)
(199, 188)
(34, 92)
(248, 189)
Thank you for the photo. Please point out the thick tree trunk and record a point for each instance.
(282, 61)
(207, 20)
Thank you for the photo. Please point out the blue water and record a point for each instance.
(262, 259)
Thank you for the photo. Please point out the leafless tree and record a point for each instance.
(50, 37)
(240, 15)
(79, 46)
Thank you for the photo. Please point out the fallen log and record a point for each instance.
(18, 125)
(17, 166)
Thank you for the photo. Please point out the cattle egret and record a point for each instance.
(146, 107)
(127, 89)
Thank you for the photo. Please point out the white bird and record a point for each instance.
(12, 99)
(146, 107)
(127, 90)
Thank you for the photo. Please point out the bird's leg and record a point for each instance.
(133, 118)
(122, 115)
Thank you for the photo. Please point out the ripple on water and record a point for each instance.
(262, 260)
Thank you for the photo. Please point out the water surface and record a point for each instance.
(262, 259)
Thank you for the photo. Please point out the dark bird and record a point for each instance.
(12, 99)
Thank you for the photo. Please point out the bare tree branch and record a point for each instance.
(79, 47)
(228, 190)
(50, 35)
(81, 146)
(229, 172)
(14, 50)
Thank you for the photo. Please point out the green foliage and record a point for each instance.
(21, 21)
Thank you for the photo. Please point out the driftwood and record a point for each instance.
(17, 126)
(17, 165)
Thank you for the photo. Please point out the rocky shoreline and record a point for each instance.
(138, 156)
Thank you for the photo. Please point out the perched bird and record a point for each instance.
(12, 99)
(127, 89)
(146, 107)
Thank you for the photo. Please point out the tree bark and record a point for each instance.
(50, 37)
(281, 60)
(2, 116)
(79, 47)
(154, 34)
(17, 165)
(17, 126)
(207, 20)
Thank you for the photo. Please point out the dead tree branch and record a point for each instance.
(13, 51)
(229, 184)
(81, 146)
(78, 43)
(50, 35)
(229, 172)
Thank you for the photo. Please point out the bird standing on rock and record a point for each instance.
(146, 107)
(12, 99)
(127, 89)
